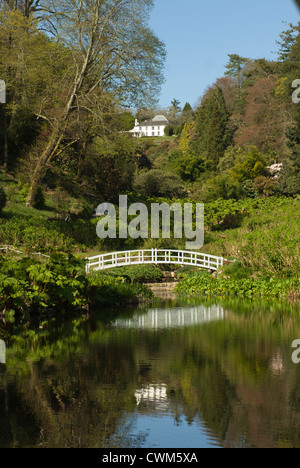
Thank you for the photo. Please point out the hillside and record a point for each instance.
(262, 233)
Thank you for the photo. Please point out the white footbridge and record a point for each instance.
(155, 257)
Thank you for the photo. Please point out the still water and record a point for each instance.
(177, 375)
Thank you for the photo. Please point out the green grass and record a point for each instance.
(267, 240)
(158, 140)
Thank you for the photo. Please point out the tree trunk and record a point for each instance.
(82, 157)
(41, 166)
(5, 162)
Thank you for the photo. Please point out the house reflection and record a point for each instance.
(153, 396)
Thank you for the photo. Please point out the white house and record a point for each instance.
(150, 128)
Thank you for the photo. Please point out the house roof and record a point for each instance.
(157, 121)
(160, 118)
(152, 123)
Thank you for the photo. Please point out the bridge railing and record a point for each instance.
(154, 256)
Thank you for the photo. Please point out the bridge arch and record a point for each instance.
(155, 257)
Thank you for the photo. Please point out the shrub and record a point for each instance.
(139, 274)
(159, 184)
(237, 270)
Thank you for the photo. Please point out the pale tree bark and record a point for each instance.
(108, 58)
(60, 126)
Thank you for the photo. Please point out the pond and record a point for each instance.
(178, 374)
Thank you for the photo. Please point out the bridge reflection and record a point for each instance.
(176, 317)
(2, 352)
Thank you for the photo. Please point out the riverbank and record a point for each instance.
(59, 286)
(237, 280)
(264, 288)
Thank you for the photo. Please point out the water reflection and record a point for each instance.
(2, 352)
(194, 376)
(173, 317)
(154, 395)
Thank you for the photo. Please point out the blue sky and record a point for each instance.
(199, 35)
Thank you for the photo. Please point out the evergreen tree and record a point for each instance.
(235, 67)
(212, 136)
(289, 182)
(187, 107)
(216, 140)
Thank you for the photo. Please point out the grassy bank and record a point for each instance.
(249, 288)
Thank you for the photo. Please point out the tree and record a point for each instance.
(217, 133)
(25, 55)
(235, 67)
(174, 110)
(186, 137)
(169, 130)
(26, 7)
(265, 117)
(112, 51)
(265, 186)
(187, 107)
(157, 183)
(287, 42)
(250, 164)
(127, 121)
(289, 180)
(212, 136)
(187, 165)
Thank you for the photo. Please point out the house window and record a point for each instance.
(153, 133)
(153, 128)
(158, 133)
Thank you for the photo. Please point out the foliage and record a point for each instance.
(242, 287)
(159, 184)
(289, 181)
(169, 130)
(28, 287)
(187, 165)
(266, 238)
(138, 274)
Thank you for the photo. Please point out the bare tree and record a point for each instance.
(27, 7)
